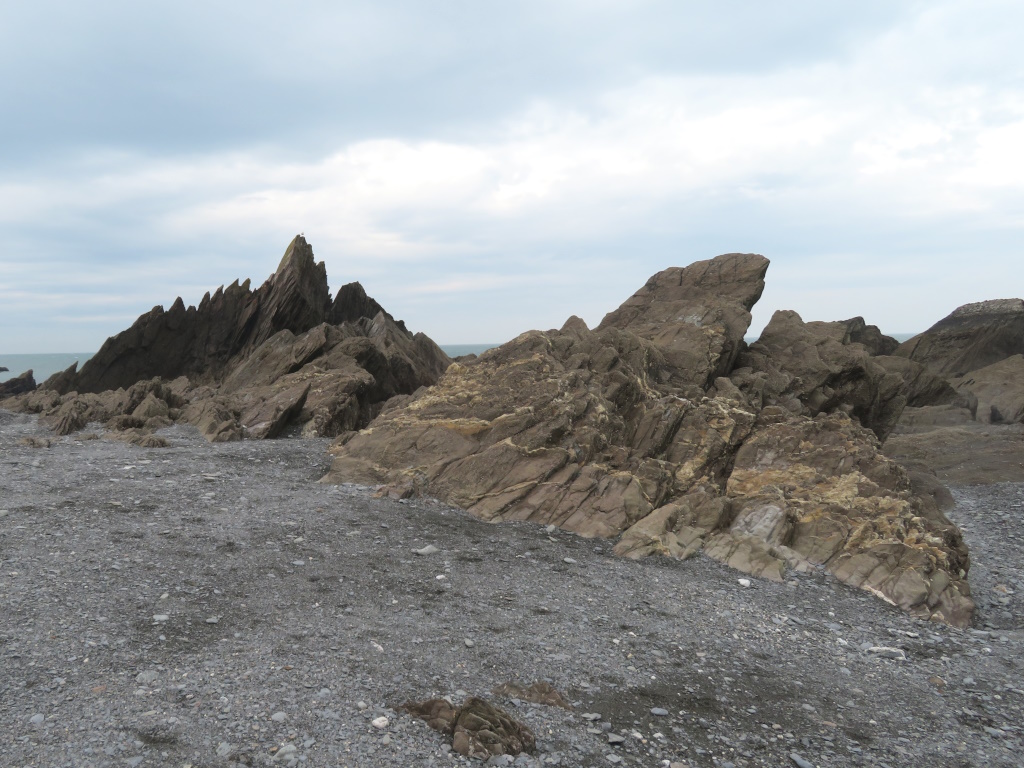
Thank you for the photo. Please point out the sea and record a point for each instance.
(45, 365)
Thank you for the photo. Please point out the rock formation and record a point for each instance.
(247, 363)
(18, 385)
(636, 430)
(966, 366)
(997, 389)
(817, 368)
(695, 316)
(972, 337)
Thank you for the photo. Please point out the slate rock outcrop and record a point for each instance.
(814, 368)
(696, 316)
(18, 385)
(635, 430)
(970, 360)
(248, 363)
(971, 337)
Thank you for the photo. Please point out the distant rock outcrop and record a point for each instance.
(635, 430)
(248, 363)
(972, 337)
(18, 385)
(970, 360)
(201, 342)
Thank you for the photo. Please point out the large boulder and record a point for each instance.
(997, 390)
(973, 336)
(601, 432)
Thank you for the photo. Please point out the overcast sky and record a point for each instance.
(484, 168)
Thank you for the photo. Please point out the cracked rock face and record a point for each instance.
(632, 430)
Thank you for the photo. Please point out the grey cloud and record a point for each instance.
(194, 77)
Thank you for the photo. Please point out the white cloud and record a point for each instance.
(894, 151)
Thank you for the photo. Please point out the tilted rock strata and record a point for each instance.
(19, 385)
(696, 315)
(598, 432)
(249, 364)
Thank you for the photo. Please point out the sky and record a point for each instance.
(485, 168)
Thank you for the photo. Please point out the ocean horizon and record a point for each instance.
(44, 365)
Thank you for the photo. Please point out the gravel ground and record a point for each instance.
(212, 605)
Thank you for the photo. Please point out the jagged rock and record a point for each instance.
(997, 389)
(592, 431)
(214, 419)
(201, 342)
(70, 417)
(817, 368)
(19, 385)
(62, 381)
(265, 412)
(478, 729)
(856, 331)
(252, 363)
(844, 506)
(150, 406)
(37, 401)
(4, 369)
(972, 337)
(696, 315)
(923, 386)
(352, 304)
(348, 370)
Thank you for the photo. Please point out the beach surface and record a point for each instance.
(213, 605)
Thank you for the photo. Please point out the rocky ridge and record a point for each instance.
(660, 427)
(244, 363)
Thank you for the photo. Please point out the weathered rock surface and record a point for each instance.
(601, 432)
(814, 368)
(973, 336)
(200, 342)
(248, 363)
(18, 385)
(997, 389)
(696, 315)
(478, 729)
